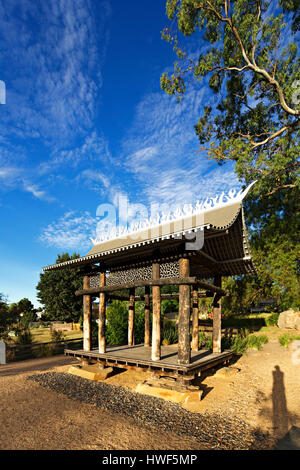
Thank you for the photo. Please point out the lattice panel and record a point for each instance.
(144, 273)
(129, 275)
(170, 269)
(94, 281)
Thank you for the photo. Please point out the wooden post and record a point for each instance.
(156, 301)
(184, 347)
(217, 327)
(147, 316)
(195, 336)
(131, 317)
(87, 316)
(102, 316)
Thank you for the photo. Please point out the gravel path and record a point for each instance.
(212, 431)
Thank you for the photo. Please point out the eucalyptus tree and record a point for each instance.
(249, 61)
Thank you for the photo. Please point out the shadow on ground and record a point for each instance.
(33, 365)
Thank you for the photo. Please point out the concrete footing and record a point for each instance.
(91, 372)
(188, 399)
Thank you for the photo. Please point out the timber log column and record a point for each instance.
(102, 316)
(217, 328)
(195, 336)
(147, 316)
(131, 317)
(184, 347)
(87, 316)
(156, 301)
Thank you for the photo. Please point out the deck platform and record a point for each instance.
(140, 356)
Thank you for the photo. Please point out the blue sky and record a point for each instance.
(84, 121)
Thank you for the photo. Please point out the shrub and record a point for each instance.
(45, 350)
(117, 323)
(272, 320)
(205, 341)
(170, 334)
(24, 336)
(286, 339)
(256, 342)
(57, 336)
(240, 342)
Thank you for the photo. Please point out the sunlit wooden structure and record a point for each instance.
(193, 250)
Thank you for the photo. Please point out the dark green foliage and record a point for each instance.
(117, 323)
(250, 60)
(57, 336)
(27, 318)
(170, 334)
(287, 338)
(8, 317)
(23, 335)
(56, 292)
(272, 320)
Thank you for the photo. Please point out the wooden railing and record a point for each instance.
(21, 352)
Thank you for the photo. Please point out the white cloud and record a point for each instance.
(71, 231)
(57, 66)
(162, 151)
(16, 178)
(52, 55)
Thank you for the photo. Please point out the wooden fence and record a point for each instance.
(21, 352)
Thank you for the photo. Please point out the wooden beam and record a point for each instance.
(102, 316)
(184, 349)
(217, 323)
(156, 302)
(141, 298)
(130, 285)
(195, 334)
(159, 282)
(87, 316)
(131, 318)
(147, 316)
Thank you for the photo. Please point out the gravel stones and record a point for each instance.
(212, 431)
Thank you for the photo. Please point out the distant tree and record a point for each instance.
(56, 292)
(25, 306)
(8, 317)
(27, 318)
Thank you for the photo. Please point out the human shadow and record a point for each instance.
(278, 414)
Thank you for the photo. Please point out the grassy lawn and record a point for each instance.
(42, 335)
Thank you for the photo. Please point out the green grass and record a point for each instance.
(256, 342)
(42, 335)
(238, 343)
(287, 338)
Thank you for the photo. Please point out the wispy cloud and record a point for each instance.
(15, 178)
(71, 231)
(52, 55)
(162, 151)
(57, 67)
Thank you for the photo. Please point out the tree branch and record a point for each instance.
(251, 65)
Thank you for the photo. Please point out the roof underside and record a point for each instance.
(225, 251)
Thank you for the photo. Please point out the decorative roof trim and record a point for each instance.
(208, 206)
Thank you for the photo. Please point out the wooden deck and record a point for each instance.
(140, 356)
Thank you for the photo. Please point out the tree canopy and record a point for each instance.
(56, 292)
(249, 60)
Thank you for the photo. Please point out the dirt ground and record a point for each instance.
(265, 392)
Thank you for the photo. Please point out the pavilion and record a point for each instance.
(193, 249)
